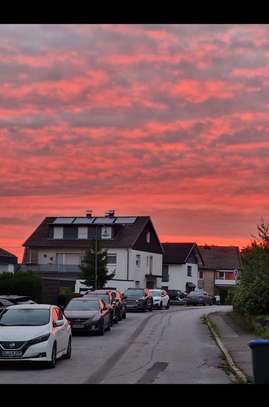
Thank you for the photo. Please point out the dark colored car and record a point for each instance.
(118, 299)
(106, 296)
(88, 314)
(199, 298)
(138, 299)
(177, 297)
(17, 299)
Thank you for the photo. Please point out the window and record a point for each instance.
(58, 232)
(221, 275)
(165, 274)
(150, 264)
(111, 258)
(201, 275)
(138, 260)
(148, 237)
(137, 284)
(82, 232)
(106, 232)
(189, 271)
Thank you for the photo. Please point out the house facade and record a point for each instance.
(57, 246)
(8, 262)
(221, 267)
(180, 266)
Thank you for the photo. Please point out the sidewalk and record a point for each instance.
(235, 340)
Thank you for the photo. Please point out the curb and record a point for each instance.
(236, 371)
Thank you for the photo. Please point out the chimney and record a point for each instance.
(110, 213)
(89, 213)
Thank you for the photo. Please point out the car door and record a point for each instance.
(59, 331)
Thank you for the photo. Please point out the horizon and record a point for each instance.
(169, 120)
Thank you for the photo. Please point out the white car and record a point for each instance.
(160, 298)
(34, 332)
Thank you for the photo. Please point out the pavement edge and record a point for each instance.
(236, 371)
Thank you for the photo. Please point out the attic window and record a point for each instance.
(148, 237)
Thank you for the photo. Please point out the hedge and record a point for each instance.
(21, 283)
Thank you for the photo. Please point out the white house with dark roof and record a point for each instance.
(57, 246)
(8, 262)
(180, 266)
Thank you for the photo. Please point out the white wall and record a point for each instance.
(138, 273)
(7, 268)
(178, 276)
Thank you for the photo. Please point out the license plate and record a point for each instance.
(11, 354)
(77, 326)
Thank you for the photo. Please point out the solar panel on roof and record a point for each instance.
(83, 221)
(104, 221)
(125, 220)
(61, 221)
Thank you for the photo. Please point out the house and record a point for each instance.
(220, 269)
(55, 249)
(8, 262)
(180, 266)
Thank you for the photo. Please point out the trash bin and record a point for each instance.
(260, 360)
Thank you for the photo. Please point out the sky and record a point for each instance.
(169, 121)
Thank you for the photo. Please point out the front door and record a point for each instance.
(151, 282)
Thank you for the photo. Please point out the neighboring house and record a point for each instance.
(180, 266)
(8, 262)
(220, 269)
(57, 246)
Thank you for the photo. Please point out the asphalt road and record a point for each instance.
(169, 346)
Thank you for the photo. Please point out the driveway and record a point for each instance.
(160, 347)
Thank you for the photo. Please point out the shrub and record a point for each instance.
(65, 295)
(21, 283)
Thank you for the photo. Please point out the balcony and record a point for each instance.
(225, 283)
(51, 268)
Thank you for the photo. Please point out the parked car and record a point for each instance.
(4, 304)
(160, 298)
(106, 296)
(118, 299)
(199, 298)
(34, 332)
(138, 299)
(17, 299)
(177, 297)
(88, 314)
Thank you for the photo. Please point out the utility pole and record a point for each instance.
(95, 282)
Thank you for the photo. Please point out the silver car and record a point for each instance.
(198, 298)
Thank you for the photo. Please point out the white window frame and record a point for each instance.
(113, 255)
(58, 232)
(189, 268)
(106, 232)
(138, 260)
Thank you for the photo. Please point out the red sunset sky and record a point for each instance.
(169, 121)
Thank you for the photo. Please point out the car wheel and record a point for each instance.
(69, 350)
(101, 330)
(168, 305)
(108, 328)
(52, 362)
(116, 319)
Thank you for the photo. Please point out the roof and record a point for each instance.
(126, 236)
(5, 253)
(220, 257)
(177, 253)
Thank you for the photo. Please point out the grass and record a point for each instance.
(249, 324)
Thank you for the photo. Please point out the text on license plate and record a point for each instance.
(77, 326)
(11, 353)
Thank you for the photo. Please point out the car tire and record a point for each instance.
(108, 328)
(52, 362)
(101, 329)
(69, 350)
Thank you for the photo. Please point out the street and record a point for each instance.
(161, 347)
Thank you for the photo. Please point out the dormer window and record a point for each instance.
(82, 232)
(148, 237)
(58, 232)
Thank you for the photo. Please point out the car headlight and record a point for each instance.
(39, 339)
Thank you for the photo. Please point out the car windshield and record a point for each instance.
(84, 305)
(156, 293)
(134, 293)
(25, 317)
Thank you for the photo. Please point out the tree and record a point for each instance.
(251, 295)
(95, 254)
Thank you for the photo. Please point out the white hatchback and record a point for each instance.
(160, 298)
(34, 332)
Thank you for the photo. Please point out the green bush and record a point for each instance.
(65, 295)
(21, 283)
